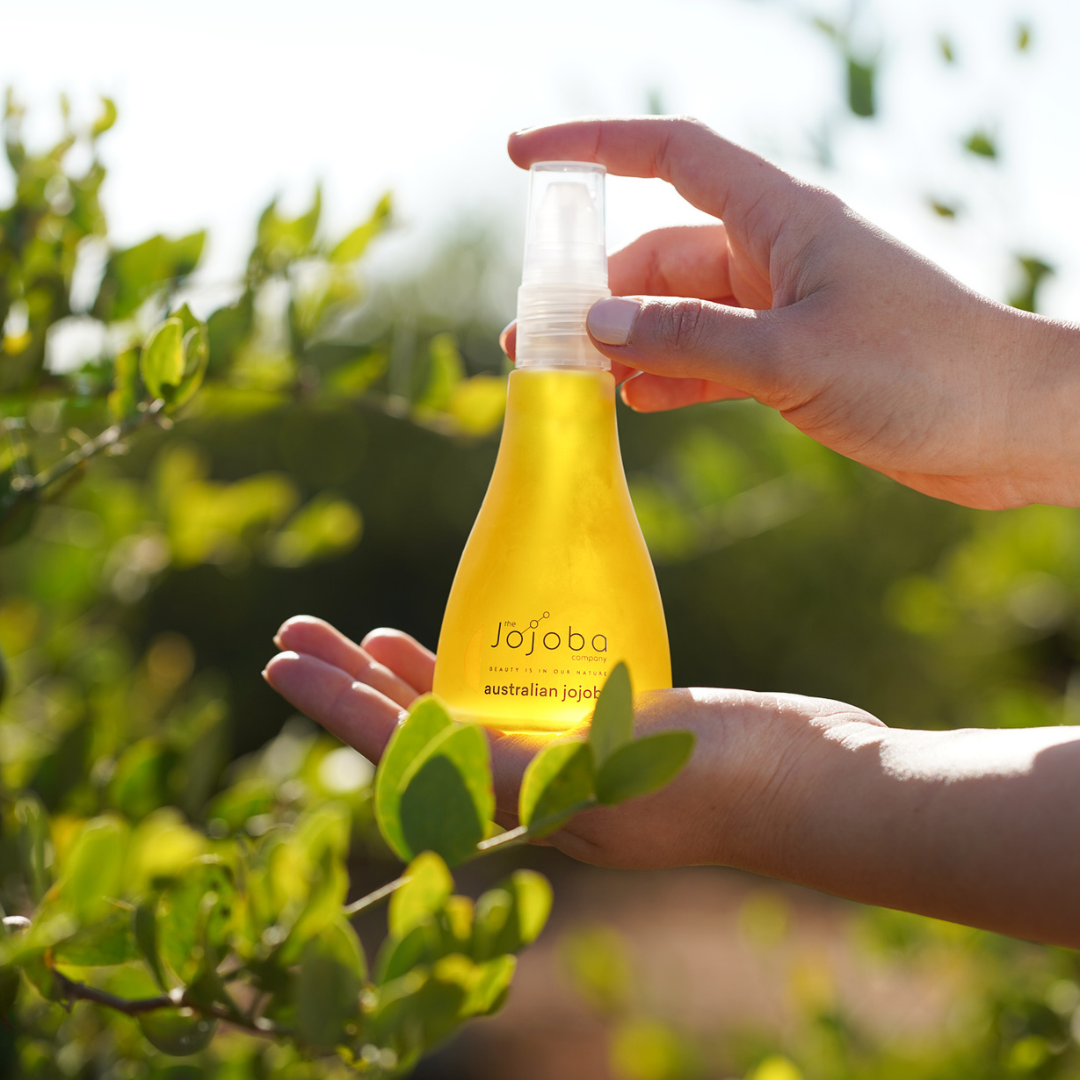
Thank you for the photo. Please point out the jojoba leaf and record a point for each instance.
(447, 798)
(177, 1031)
(426, 719)
(162, 361)
(643, 766)
(613, 720)
(557, 781)
(428, 887)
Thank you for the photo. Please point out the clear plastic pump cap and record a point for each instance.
(565, 266)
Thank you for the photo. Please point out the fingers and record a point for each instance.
(314, 637)
(404, 655)
(715, 175)
(687, 260)
(741, 350)
(353, 711)
(656, 393)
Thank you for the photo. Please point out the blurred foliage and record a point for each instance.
(1033, 272)
(982, 143)
(861, 68)
(1015, 1010)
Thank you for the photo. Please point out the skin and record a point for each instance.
(793, 299)
(857, 340)
(977, 826)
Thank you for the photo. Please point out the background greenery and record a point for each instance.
(333, 463)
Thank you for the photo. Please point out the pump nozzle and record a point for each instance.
(565, 266)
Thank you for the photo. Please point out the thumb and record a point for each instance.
(695, 339)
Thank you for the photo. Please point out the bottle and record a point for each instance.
(555, 585)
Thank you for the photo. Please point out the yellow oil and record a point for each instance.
(555, 585)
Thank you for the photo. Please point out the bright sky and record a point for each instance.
(225, 103)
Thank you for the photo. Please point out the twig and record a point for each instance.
(373, 898)
(175, 1000)
(520, 835)
(109, 437)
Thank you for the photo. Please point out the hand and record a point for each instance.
(974, 826)
(713, 812)
(795, 300)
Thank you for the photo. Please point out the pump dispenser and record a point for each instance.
(555, 585)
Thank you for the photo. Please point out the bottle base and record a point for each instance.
(517, 725)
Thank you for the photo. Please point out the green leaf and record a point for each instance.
(982, 143)
(1023, 37)
(398, 956)
(137, 273)
(1033, 272)
(281, 240)
(329, 885)
(105, 120)
(328, 989)
(324, 527)
(94, 867)
(428, 887)
(139, 784)
(446, 371)
(861, 87)
(557, 781)
(493, 911)
(945, 47)
(947, 210)
(643, 766)
(177, 1031)
(146, 937)
(125, 392)
(355, 243)
(490, 987)
(110, 940)
(455, 922)
(162, 362)
(613, 719)
(426, 719)
(195, 348)
(353, 377)
(447, 798)
(196, 909)
(416, 1011)
(532, 905)
(511, 916)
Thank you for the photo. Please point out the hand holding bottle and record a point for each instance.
(979, 826)
(857, 340)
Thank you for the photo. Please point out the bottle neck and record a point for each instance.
(551, 327)
(560, 422)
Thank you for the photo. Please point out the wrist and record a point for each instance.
(797, 757)
(1042, 389)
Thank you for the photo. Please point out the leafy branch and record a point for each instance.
(268, 925)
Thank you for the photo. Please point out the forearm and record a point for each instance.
(1042, 438)
(978, 826)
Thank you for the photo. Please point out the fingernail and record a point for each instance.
(277, 639)
(611, 321)
(502, 337)
(263, 673)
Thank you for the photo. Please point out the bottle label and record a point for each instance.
(556, 659)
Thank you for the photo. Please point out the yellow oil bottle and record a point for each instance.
(555, 585)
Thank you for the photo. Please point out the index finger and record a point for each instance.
(708, 171)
